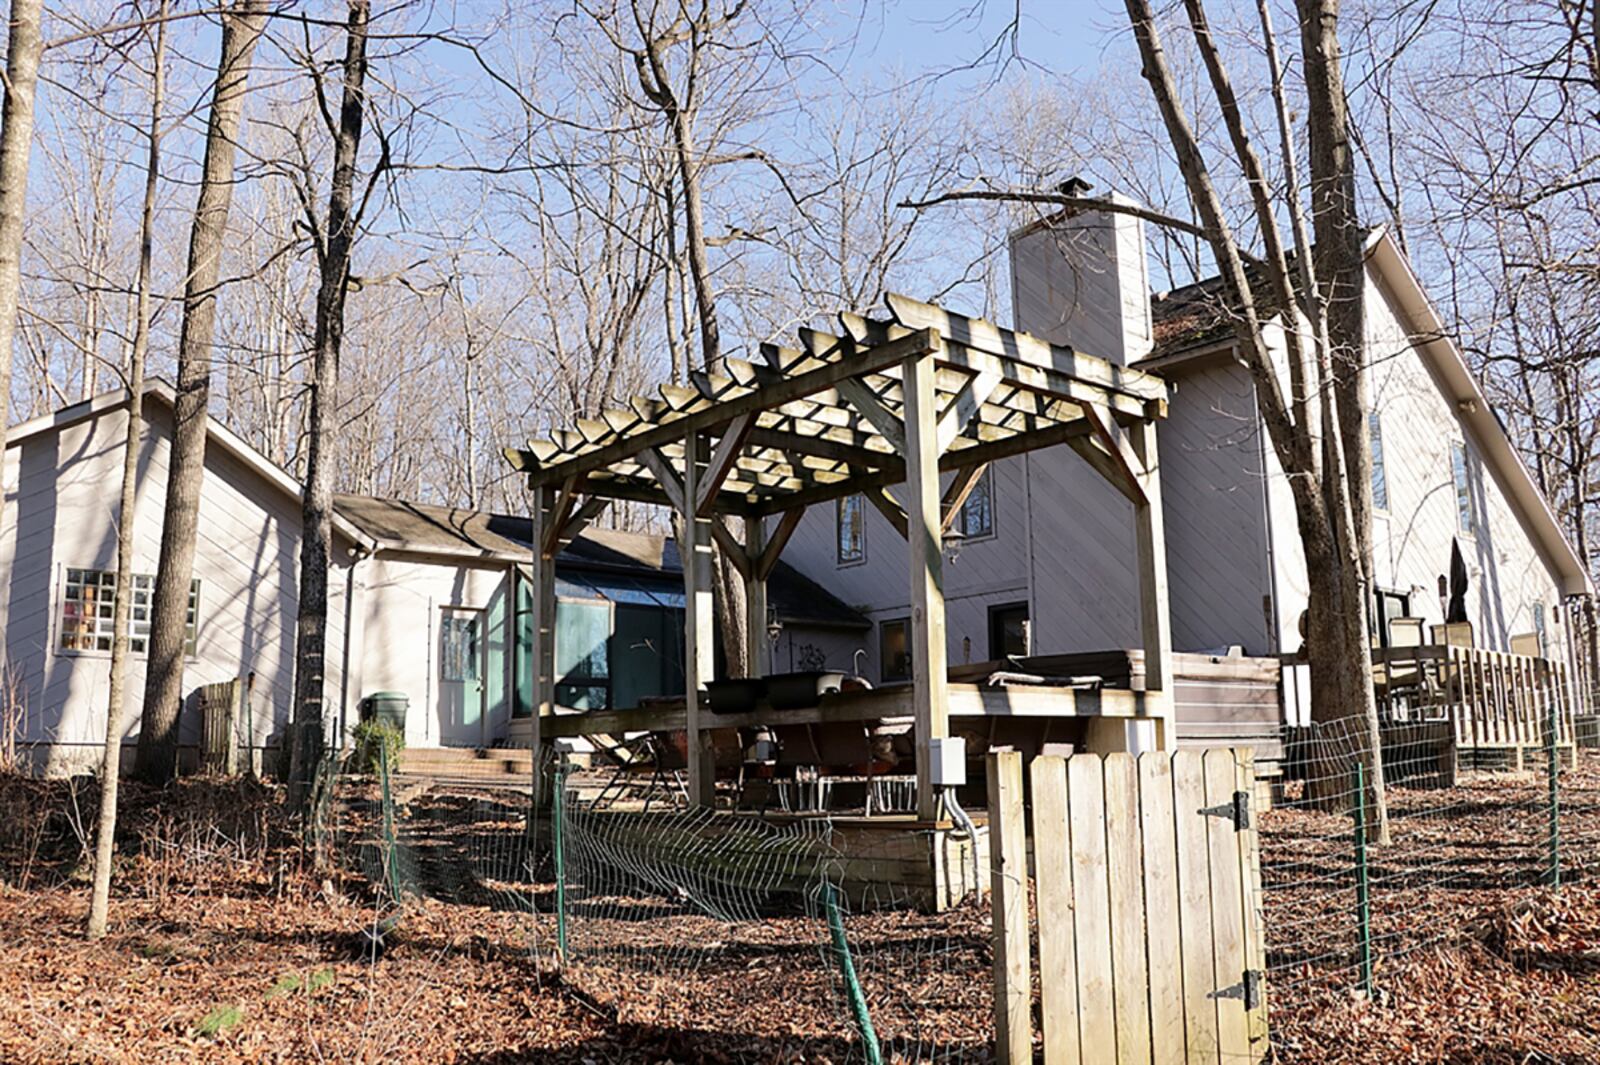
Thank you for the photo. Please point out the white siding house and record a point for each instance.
(1058, 550)
(62, 477)
(426, 601)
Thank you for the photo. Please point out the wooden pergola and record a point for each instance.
(889, 402)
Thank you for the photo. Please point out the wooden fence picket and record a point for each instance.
(1227, 907)
(1091, 906)
(1008, 864)
(1194, 904)
(1255, 917)
(1052, 861)
(1125, 878)
(1161, 908)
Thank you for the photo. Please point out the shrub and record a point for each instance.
(371, 738)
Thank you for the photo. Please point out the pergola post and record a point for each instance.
(1155, 613)
(546, 543)
(928, 653)
(698, 620)
(757, 648)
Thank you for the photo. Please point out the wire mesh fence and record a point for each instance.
(770, 926)
(801, 930)
(1357, 877)
(751, 935)
(401, 843)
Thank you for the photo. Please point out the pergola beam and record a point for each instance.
(699, 629)
(887, 505)
(929, 680)
(779, 538)
(723, 460)
(908, 400)
(965, 406)
(870, 406)
(955, 495)
(712, 415)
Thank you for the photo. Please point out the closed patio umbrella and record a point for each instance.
(1457, 610)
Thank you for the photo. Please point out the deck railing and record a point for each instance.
(1492, 698)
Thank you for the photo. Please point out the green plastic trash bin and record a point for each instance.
(388, 708)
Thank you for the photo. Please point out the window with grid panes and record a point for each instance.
(89, 598)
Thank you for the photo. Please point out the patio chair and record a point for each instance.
(1453, 634)
(1406, 675)
(1527, 643)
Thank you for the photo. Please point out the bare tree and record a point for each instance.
(23, 48)
(111, 759)
(242, 26)
(334, 237)
(1311, 445)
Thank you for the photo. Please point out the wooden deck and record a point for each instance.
(1492, 699)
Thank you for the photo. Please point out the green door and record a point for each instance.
(461, 673)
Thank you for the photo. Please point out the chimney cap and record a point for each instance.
(1074, 187)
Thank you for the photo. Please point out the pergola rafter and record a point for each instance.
(883, 402)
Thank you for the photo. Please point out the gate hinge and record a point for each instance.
(1237, 810)
(1248, 989)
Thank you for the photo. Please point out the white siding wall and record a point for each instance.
(1412, 539)
(1213, 485)
(1083, 283)
(800, 647)
(1064, 542)
(61, 491)
(401, 604)
(989, 570)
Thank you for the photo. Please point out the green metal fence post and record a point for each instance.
(847, 969)
(1363, 896)
(558, 837)
(1552, 754)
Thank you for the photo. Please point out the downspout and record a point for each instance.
(358, 555)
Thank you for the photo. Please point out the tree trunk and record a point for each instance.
(16, 144)
(110, 762)
(163, 690)
(316, 510)
(1336, 619)
(1340, 253)
(695, 228)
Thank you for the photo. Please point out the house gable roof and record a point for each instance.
(1457, 383)
(217, 434)
(1193, 326)
(450, 532)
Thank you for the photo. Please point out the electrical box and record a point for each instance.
(947, 762)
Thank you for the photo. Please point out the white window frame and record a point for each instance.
(1469, 519)
(1380, 468)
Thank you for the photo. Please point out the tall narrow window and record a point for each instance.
(583, 654)
(1466, 499)
(1380, 483)
(977, 513)
(894, 650)
(850, 529)
(1539, 630)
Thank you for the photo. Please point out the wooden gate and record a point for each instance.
(1149, 925)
